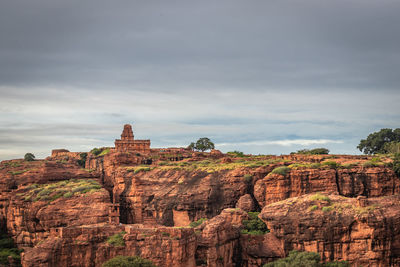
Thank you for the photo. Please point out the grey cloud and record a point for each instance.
(74, 71)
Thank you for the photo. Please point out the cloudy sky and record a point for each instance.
(263, 77)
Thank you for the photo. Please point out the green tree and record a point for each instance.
(203, 144)
(375, 142)
(192, 146)
(29, 157)
(126, 261)
(315, 151)
(392, 147)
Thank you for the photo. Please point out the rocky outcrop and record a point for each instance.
(246, 203)
(338, 228)
(218, 242)
(166, 196)
(30, 222)
(369, 182)
(150, 194)
(87, 246)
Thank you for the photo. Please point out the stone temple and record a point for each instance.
(127, 143)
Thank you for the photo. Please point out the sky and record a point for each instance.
(262, 77)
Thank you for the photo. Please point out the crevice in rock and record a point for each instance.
(337, 182)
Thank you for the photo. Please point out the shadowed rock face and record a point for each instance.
(156, 201)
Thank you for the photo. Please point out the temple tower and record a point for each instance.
(128, 144)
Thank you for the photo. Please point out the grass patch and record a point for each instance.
(282, 170)
(254, 226)
(66, 189)
(365, 210)
(212, 165)
(327, 209)
(117, 240)
(104, 152)
(128, 261)
(197, 223)
(320, 197)
(331, 164)
(372, 164)
(138, 169)
(313, 207)
(17, 172)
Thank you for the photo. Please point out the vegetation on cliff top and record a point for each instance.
(128, 261)
(315, 151)
(29, 157)
(202, 144)
(304, 258)
(384, 141)
(53, 191)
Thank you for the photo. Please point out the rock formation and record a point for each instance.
(64, 215)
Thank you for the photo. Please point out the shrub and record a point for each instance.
(396, 164)
(331, 164)
(327, 209)
(197, 223)
(282, 170)
(248, 178)
(300, 259)
(370, 164)
(236, 153)
(128, 261)
(254, 226)
(117, 240)
(95, 151)
(8, 249)
(315, 165)
(320, 197)
(82, 160)
(29, 157)
(140, 169)
(349, 165)
(313, 207)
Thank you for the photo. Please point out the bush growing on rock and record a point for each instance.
(29, 157)
(304, 259)
(95, 151)
(254, 226)
(8, 249)
(331, 164)
(396, 164)
(117, 240)
(197, 223)
(126, 261)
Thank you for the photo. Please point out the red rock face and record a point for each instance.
(154, 203)
(87, 246)
(31, 222)
(368, 182)
(365, 236)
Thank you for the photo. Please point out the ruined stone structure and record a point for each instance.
(128, 144)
